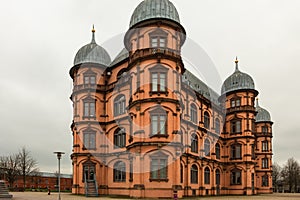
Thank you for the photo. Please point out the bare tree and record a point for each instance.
(9, 167)
(276, 175)
(291, 174)
(27, 165)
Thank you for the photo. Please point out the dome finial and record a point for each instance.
(257, 104)
(236, 64)
(93, 34)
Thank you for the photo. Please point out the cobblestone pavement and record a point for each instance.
(54, 196)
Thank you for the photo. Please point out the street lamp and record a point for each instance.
(59, 157)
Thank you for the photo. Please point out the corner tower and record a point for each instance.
(239, 94)
(264, 150)
(88, 96)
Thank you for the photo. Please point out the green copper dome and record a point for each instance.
(150, 9)
(262, 114)
(237, 81)
(92, 53)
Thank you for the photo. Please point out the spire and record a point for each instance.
(257, 104)
(93, 34)
(236, 64)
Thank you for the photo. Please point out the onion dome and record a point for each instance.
(150, 9)
(238, 81)
(262, 114)
(92, 53)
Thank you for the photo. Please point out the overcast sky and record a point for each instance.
(39, 39)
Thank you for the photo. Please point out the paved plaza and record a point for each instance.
(68, 196)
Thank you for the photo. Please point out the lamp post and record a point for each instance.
(59, 154)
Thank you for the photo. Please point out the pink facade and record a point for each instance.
(143, 126)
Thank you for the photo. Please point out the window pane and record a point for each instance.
(154, 42)
(86, 109)
(92, 109)
(93, 80)
(154, 82)
(162, 42)
(162, 82)
(154, 123)
(162, 125)
(86, 80)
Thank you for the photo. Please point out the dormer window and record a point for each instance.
(158, 38)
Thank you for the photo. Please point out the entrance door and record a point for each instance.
(89, 171)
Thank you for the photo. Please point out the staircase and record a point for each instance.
(91, 187)
(4, 191)
(91, 190)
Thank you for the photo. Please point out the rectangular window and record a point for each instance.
(158, 81)
(236, 177)
(158, 41)
(265, 146)
(88, 79)
(89, 109)
(158, 169)
(265, 181)
(158, 124)
(89, 140)
(264, 129)
(235, 103)
(236, 126)
(236, 151)
(265, 163)
(154, 42)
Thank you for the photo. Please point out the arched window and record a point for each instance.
(265, 180)
(194, 174)
(207, 147)
(218, 151)
(119, 105)
(194, 143)
(206, 120)
(236, 151)
(236, 177)
(194, 117)
(217, 126)
(119, 138)
(119, 172)
(218, 177)
(207, 175)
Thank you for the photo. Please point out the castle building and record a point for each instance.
(144, 126)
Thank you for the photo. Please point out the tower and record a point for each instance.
(239, 133)
(90, 63)
(263, 150)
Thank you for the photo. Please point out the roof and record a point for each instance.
(92, 53)
(150, 9)
(120, 57)
(262, 114)
(200, 87)
(237, 81)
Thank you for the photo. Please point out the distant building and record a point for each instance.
(145, 126)
(43, 180)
